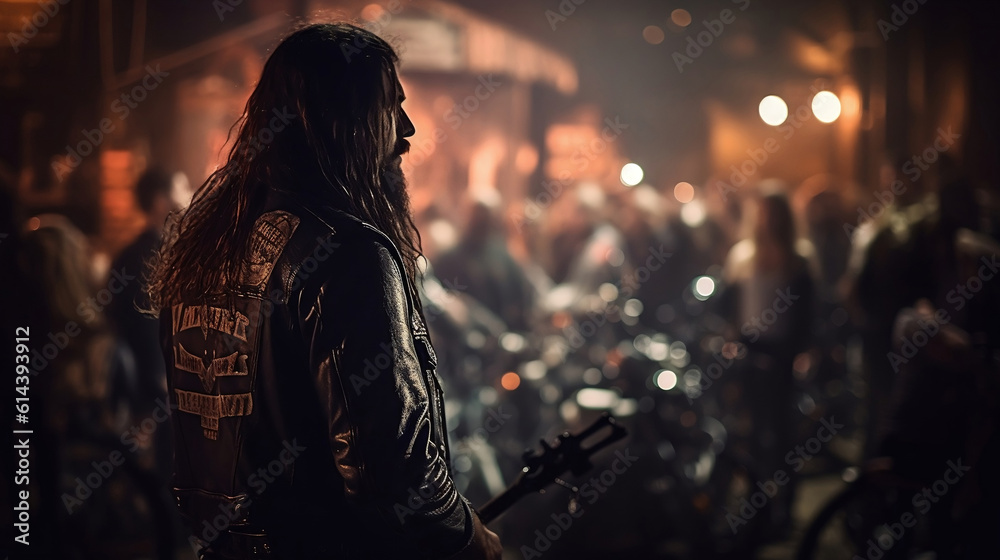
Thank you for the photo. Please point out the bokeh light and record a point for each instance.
(597, 399)
(652, 34)
(680, 17)
(773, 110)
(684, 192)
(510, 381)
(704, 287)
(826, 106)
(693, 213)
(631, 174)
(666, 379)
(372, 12)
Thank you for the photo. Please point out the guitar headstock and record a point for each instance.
(567, 454)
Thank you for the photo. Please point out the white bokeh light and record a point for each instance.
(826, 106)
(773, 110)
(666, 379)
(704, 287)
(631, 174)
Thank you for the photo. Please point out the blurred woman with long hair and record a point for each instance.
(76, 367)
(769, 299)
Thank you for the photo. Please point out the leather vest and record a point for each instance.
(306, 403)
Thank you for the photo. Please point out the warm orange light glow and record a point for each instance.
(561, 320)
(680, 17)
(372, 12)
(526, 159)
(652, 34)
(683, 192)
(510, 381)
(702, 502)
(615, 357)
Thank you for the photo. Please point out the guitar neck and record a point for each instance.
(500, 503)
(543, 469)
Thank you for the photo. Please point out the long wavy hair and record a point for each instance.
(321, 123)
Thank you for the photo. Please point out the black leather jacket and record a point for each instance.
(306, 405)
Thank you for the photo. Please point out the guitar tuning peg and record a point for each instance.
(574, 505)
(567, 485)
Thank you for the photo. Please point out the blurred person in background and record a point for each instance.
(482, 267)
(293, 332)
(882, 257)
(652, 238)
(826, 374)
(154, 194)
(566, 225)
(943, 402)
(825, 216)
(768, 299)
(75, 379)
(587, 247)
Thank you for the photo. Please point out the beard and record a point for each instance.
(394, 187)
(391, 175)
(400, 229)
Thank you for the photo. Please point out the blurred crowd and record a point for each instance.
(708, 319)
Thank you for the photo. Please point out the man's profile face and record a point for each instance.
(402, 128)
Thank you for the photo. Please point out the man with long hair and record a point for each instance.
(308, 417)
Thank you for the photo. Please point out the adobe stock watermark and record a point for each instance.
(914, 168)
(796, 459)
(901, 14)
(418, 498)
(135, 437)
(930, 327)
(258, 480)
(591, 491)
(566, 8)
(373, 368)
(704, 39)
(756, 326)
(891, 533)
(455, 117)
(494, 421)
(920, 338)
(459, 112)
(122, 107)
(580, 160)
(443, 295)
(88, 310)
(325, 247)
(963, 292)
(280, 119)
(655, 260)
(223, 7)
(730, 354)
(375, 26)
(757, 157)
(577, 333)
(47, 9)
